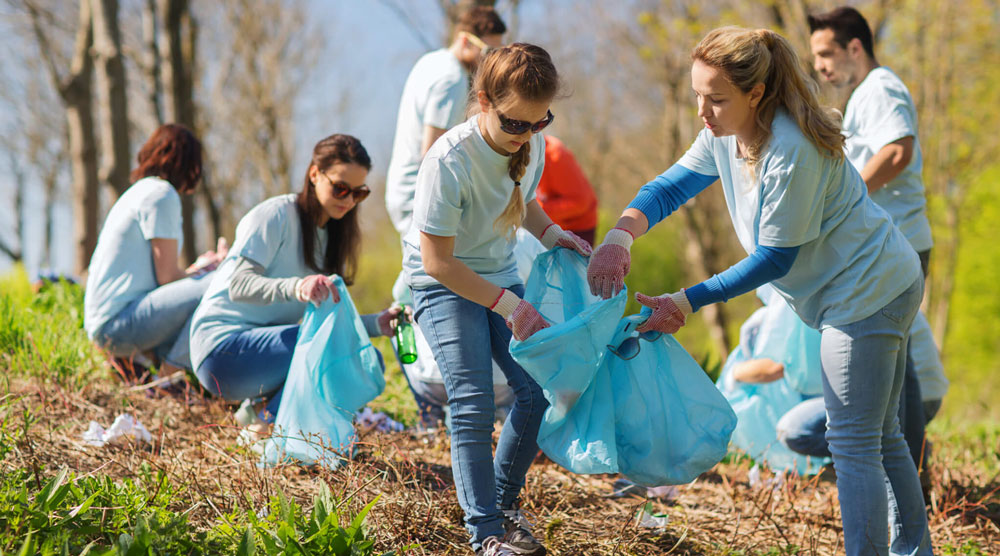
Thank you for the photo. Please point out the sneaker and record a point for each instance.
(493, 546)
(518, 534)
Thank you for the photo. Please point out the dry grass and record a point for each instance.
(194, 443)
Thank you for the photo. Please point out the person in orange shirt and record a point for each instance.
(565, 193)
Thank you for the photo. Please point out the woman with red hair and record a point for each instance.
(138, 299)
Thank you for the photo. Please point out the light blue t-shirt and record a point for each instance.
(436, 94)
(121, 269)
(879, 112)
(852, 261)
(927, 360)
(271, 236)
(462, 187)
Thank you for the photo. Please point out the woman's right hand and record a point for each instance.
(315, 288)
(610, 263)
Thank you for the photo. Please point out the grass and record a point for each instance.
(194, 491)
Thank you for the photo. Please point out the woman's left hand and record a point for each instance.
(388, 319)
(670, 312)
(556, 236)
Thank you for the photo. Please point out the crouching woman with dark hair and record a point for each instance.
(137, 299)
(285, 250)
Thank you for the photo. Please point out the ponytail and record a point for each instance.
(507, 223)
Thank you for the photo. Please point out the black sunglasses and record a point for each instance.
(519, 127)
(629, 347)
(341, 190)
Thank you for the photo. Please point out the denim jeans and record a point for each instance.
(803, 428)
(159, 321)
(250, 364)
(464, 336)
(864, 363)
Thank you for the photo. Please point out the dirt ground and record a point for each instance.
(194, 442)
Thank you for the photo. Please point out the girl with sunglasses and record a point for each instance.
(245, 328)
(802, 213)
(475, 187)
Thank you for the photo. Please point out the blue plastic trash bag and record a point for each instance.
(784, 338)
(656, 418)
(760, 406)
(335, 371)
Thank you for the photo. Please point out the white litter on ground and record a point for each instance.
(125, 426)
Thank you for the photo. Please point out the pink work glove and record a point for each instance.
(555, 236)
(522, 319)
(670, 312)
(315, 288)
(610, 263)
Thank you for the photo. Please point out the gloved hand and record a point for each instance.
(388, 319)
(610, 263)
(554, 235)
(670, 312)
(522, 319)
(315, 288)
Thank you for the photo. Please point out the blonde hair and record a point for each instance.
(749, 57)
(524, 71)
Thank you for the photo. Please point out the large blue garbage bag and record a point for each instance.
(335, 371)
(760, 406)
(656, 418)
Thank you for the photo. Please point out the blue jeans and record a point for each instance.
(159, 321)
(803, 428)
(465, 337)
(864, 363)
(250, 364)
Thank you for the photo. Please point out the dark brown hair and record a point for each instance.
(846, 24)
(526, 72)
(343, 241)
(171, 153)
(481, 21)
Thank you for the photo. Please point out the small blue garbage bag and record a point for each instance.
(655, 417)
(335, 371)
(784, 338)
(760, 406)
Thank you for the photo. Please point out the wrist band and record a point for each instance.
(619, 236)
(506, 303)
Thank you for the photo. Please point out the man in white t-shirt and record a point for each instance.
(880, 121)
(880, 124)
(434, 100)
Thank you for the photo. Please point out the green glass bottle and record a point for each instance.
(406, 341)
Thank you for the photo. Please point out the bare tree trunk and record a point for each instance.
(152, 58)
(76, 93)
(19, 180)
(177, 91)
(107, 52)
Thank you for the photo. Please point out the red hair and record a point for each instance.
(172, 153)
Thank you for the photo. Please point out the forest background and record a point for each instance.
(261, 81)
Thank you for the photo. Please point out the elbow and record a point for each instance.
(434, 267)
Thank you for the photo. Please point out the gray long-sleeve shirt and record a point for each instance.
(248, 284)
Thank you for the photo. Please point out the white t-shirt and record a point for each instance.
(851, 262)
(462, 187)
(927, 360)
(435, 94)
(121, 269)
(271, 236)
(879, 112)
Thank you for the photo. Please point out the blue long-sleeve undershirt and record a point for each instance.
(764, 265)
(671, 189)
(668, 191)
